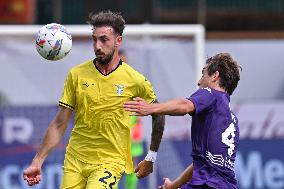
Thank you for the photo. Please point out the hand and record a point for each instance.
(32, 175)
(143, 169)
(139, 106)
(168, 184)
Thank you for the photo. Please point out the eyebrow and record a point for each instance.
(103, 36)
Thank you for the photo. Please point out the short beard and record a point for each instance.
(106, 60)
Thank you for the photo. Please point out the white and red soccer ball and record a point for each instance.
(53, 41)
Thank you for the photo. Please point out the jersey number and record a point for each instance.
(108, 175)
(228, 138)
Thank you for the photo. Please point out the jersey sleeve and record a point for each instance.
(146, 90)
(203, 100)
(68, 96)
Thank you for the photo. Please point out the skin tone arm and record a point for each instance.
(52, 138)
(144, 168)
(175, 107)
(183, 178)
(158, 124)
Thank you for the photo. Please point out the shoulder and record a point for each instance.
(203, 96)
(81, 67)
(210, 92)
(206, 91)
(128, 68)
(136, 75)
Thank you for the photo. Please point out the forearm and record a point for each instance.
(184, 177)
(51, 139)
(158, 124)
(53, 135)
(175, 107)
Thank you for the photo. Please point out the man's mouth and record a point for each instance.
(99, 54)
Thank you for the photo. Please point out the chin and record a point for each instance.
(103, 62)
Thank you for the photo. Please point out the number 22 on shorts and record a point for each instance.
(106, 179)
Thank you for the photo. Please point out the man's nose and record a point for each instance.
(97, 45)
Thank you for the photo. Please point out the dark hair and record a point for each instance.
(228, 70)
(107, 18)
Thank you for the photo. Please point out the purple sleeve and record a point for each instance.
(203, 99)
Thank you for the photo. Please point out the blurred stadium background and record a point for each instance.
(251, 30)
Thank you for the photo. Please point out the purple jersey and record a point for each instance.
(215, 136)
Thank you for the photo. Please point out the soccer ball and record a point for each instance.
(53, 41)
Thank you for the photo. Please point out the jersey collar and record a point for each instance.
(120, 63)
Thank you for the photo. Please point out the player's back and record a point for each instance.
(215, 136)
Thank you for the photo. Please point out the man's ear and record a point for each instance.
(118, 41)
(216, 76)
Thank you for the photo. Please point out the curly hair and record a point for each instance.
(228, 70)
(107, 18)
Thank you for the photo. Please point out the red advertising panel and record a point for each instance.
(17, 11)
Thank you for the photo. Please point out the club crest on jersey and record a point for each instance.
(119, 89)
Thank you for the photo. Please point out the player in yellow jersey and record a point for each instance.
(99, 147)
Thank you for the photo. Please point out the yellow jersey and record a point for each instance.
(101, 133)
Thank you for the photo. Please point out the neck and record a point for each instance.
(215, 85)
(106, 69)
(217, 88)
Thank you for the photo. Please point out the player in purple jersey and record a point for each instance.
(215, 131)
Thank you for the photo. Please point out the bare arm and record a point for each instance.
(144, 168)
(54, 134)
(52, 138)
(158, 125)
(182, 179)
(175, 107)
